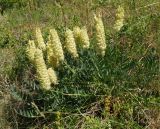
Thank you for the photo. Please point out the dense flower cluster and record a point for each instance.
(82, 35)
(77, 32)
(119, 18)
(39, 39)
(52, 76)
(56, 44)
(41, 69)
(100, 35)
(70, 43)
(52, 60)
(54, 51)
(30, 50)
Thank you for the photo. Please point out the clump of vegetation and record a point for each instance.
(97, 76)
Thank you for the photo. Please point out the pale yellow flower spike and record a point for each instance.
(84, 38)
(77, 32)
(100, 35)
(70, 43)
(41, 69)
(52, 76)
(30, 50)
(119, 19)
(81, 34)
(40, 41)
(56, 45)
(50, 55)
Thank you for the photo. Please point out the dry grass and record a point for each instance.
(6, 59)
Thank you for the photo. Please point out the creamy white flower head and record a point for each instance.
(39, 38)
(52, 76)
(30, 50)
(84, 37)
(77, 32)
(56, 45)
(51, 58)
(41, 70)
(70, 43)
(100, 35)
(119, 19)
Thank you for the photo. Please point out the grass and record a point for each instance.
(118, 91)
(6, 59)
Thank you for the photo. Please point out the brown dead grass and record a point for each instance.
(6, 59)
